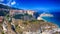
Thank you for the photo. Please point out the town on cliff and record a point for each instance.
(18, 21)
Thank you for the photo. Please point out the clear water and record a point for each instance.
(55, 19)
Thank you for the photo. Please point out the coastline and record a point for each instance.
(51, 22)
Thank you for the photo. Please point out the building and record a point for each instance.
(13, 12)
(30, 12)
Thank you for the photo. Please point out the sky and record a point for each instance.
(33, 4)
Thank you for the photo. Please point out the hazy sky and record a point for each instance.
(33, 4)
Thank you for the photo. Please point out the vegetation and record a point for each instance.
(18, 16)
(2, 32)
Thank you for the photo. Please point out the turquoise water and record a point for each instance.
(55, 19)
(52, 20)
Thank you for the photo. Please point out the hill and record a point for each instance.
(7, 7)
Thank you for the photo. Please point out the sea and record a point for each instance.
(55, 19)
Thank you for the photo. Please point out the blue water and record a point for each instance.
(55, 19)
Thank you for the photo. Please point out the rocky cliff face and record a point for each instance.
(19, 26)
